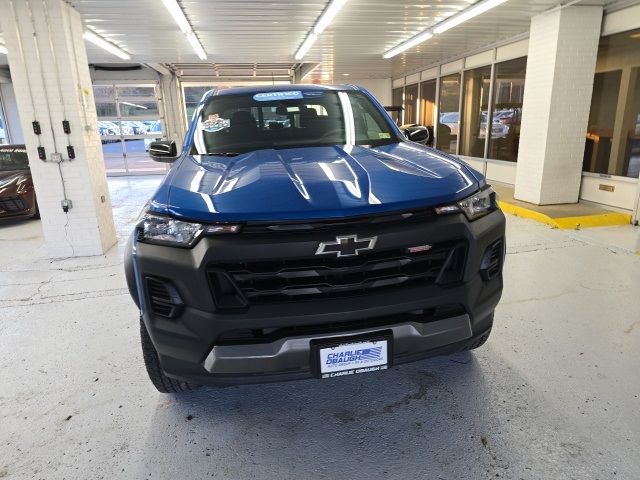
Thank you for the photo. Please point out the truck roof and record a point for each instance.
(280, 88)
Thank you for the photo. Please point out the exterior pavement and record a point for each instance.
(554, 394)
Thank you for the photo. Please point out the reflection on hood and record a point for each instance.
(316, 182)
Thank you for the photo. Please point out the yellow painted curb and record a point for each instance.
(568, 223)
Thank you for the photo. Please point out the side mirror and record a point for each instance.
(163, 151)
(417, 134)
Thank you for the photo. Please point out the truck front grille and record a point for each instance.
(291, 280)
(12, 204)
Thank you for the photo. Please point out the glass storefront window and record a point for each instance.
(136, 151)
(427, 103)
(475, 104)
(602, 116)
(397, 99)
(410, 104)
(508, 94)
(449, 117)
(136, 91)
(4, 134)
(427, 115)
(106, 109)
(103, 92)
(631, 128)
(113, 154)
(613, 136)
(138, 109)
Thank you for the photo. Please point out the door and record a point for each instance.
(129, 119)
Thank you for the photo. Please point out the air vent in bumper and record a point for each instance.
(164, 299)
(492, 260)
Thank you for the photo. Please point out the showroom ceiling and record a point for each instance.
(270, 31)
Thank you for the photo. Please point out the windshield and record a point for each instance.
(233, 124)
(13, 158)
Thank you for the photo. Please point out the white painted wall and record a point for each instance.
(621, 21)
(379, 88)
(623, 194)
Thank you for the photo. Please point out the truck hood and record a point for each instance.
(313, 183)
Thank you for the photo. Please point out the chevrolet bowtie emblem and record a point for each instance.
(347, 246)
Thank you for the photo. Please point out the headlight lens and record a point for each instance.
(169, 231)
(475, 206)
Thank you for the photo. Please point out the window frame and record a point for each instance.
(428, 74)
(5, 123)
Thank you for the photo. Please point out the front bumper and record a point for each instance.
(17, 205)
(420, 317)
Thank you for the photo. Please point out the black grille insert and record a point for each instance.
(339, 225)
(163, 298)
(319, 277)
(12, 204)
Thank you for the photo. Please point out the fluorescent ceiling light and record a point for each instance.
(412, 42)
(306, 45)
(473, 11)
(3, 49)
(185, 27)
(326, 17)
(105, 45)
(196, 45)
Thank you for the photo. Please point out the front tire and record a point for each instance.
(162, 383)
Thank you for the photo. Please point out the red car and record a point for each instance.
(17, 195)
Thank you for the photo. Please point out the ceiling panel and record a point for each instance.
(270, 31)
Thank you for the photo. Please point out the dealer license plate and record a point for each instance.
(353, 357)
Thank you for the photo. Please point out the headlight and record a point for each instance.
(475, 206)
(177, 233)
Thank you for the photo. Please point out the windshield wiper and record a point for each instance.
(223, 154)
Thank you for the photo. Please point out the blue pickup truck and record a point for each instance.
(301, 234)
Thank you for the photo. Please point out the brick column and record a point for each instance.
(48, 64)
(563, 46)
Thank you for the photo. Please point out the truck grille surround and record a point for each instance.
(236, 285)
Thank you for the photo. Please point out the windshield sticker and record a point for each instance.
(214, 123)
(268, 96)
(315, 93)
(384, 135)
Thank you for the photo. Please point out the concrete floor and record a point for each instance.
(555, 393)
